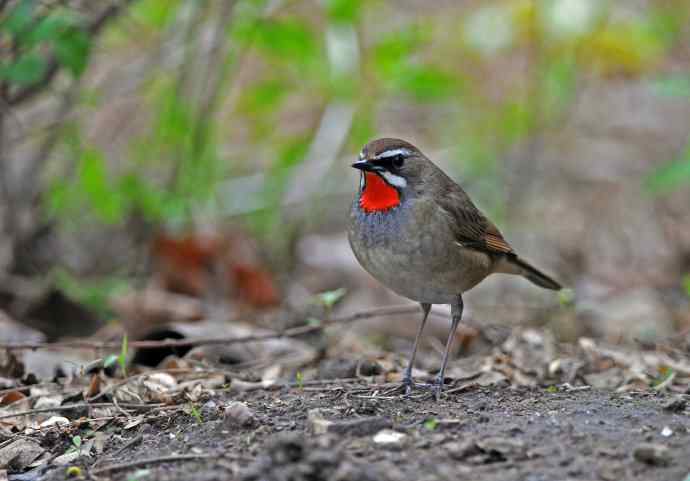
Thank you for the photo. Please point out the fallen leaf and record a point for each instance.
(11, 398)
(20, 453)
(94, 386)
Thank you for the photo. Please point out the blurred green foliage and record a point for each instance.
(283, 63)
(35, 33)
(677, 172)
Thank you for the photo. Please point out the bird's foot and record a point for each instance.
(438, 387)
(408, 385)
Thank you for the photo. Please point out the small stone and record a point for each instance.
(676, 405)
(667, 432)
(209, 409)
(55, 421)
(365, 426)
(318, 425)
(461, 450)
(652, 454)
(503, 448)
(238, 414)
(389, 437)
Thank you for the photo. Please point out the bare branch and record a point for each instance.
(292, 332)
(157, 460)
(69, 407)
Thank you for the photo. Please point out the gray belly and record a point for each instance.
(405, 255)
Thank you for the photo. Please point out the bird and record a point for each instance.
(417, 232)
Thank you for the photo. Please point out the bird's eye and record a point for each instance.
(398, 161)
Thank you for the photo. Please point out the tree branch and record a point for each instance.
(292, 332)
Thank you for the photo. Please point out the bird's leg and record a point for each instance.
(456, 315)
(407, 377)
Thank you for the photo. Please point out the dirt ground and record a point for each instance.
(357, 432)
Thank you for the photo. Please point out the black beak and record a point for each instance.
(366, 166)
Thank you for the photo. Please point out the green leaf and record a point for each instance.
(566, 297)
(122, 358)
(194, 411)
(425, 82)
(92, 292)
(149, 199)
(263, 97)
(670, 176)
(52, 27)
(394, 50)
(106, 203)
(431, 424)
(72, 50)
(154, 14)
(19, 18)
(344, 11)
(552, 389)
(76, 441)
(110, 360)
(27, 70)
(289, 39)
(330, 298)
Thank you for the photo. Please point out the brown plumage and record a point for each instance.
(432, 245)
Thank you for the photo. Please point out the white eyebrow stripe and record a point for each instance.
(392, 153)
(394, 180)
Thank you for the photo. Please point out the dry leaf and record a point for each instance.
(94, 386)
(11, 398)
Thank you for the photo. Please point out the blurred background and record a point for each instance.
(170, 161)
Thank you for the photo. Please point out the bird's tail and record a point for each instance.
(515, 265)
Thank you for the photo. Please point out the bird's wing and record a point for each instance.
(470, 227)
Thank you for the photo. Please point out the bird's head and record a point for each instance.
(390, 169)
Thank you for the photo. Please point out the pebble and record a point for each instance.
(364, 426)
(652, 454)
(504, 447)
(460, 450)
(238, 414)
(209, 409)
(389, 438)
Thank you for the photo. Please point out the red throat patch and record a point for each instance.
(377, 194)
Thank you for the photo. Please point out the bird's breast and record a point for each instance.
(414, 254)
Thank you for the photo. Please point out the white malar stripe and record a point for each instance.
(362, 181)
(394, 180)
(392, 153)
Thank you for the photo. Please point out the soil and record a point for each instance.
(330, 433)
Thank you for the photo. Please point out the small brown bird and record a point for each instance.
(418, 233)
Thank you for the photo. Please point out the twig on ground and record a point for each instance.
(292, 332)
(26, 388)
(81, 406)
(156, 460)
(132, 442)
